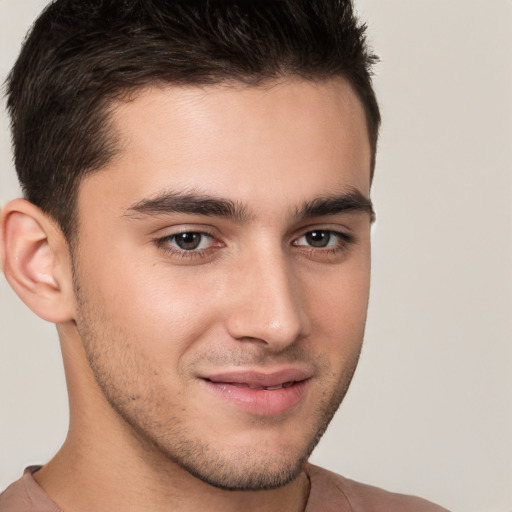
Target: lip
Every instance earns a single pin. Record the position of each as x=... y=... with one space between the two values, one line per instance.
x=260 y=393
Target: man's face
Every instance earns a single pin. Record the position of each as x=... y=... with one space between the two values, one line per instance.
x=222 y=273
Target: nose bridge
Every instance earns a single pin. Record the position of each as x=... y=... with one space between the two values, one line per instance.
x=267 y=303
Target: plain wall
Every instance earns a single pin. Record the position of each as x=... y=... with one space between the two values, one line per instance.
x=429 y=411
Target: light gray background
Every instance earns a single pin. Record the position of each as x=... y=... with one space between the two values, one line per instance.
x=429 y=412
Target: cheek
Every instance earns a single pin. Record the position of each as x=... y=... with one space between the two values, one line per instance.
x=155 y=305
x=337 y=305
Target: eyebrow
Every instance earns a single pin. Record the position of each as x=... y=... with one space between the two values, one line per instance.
x=352 y=201
x=191 y=203
x=211 y=206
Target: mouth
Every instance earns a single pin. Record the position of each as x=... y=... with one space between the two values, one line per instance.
x=261 y=394
x=268 y=388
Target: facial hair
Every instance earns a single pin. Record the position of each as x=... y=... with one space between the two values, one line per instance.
x=131 y=385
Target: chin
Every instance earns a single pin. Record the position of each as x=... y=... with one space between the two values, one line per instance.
x=242 y=474
x=246 y=466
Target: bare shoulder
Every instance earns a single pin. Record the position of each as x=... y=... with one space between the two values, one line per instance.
x=330 y=491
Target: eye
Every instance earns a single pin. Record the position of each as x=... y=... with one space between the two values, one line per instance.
x=322 y=238
x=189 y=241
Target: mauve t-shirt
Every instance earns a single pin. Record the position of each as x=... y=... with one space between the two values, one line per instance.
x=329 y=493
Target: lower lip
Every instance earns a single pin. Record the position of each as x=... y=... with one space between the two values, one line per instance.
x=261 y=402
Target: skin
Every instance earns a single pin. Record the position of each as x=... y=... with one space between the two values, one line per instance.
x=142 y=322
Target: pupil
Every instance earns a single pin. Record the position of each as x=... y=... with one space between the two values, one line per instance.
x=318 y=238
x=188 y=241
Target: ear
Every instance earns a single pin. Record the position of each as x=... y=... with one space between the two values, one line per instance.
x=36 y=261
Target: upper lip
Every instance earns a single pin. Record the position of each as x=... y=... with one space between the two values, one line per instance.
x=258 y=378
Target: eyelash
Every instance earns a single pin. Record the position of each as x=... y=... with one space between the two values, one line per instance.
x=345 y=240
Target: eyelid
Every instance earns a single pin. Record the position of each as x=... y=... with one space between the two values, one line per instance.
x=164 y=243
x=169 y=229
x=329 y=253
x=343 y=240
x=336 y=235
x=342 y=233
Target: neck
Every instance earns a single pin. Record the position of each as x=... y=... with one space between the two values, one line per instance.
x=94 y=476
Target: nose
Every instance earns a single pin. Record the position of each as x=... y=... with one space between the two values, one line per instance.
x=267 y=302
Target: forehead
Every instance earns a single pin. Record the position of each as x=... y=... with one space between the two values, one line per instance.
x=255 y=144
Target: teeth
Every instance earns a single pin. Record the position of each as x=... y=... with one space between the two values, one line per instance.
x=272 y=388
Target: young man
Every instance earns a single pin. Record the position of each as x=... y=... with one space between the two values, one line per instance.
x=196 y=222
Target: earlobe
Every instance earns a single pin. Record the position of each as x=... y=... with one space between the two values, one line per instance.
x=34 y=252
